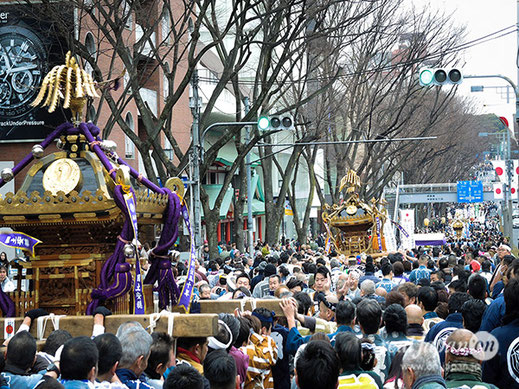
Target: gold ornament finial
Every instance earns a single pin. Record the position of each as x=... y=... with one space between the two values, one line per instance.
x=68 y=82
x=352 y=180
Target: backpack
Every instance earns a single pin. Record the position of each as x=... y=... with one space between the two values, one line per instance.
x=362 y=381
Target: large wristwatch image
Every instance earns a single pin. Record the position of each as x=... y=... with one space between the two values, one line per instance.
x=22 y=64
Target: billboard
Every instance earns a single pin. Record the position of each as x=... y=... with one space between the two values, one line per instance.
x=30 y=46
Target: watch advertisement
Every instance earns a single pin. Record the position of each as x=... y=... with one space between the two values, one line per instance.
x=30 y=46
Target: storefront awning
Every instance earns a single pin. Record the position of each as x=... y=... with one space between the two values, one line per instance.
x=228 y=154
x=258 y=206
x=212 y=192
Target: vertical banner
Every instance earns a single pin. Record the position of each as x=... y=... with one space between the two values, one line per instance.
x=130 y=205
x=379 y=238
x=187 y=290
x=498 y=191
x=407 y=221
x=500 y=170
x=138 y=300
x=389 y=235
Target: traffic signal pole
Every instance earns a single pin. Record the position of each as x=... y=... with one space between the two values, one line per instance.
x=507 y=212
x=250 y=218
x=195 y=109
x=199 y=151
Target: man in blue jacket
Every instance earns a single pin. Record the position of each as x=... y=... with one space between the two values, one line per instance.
x=136 y=345
x=422 y=271
x=344 y=315
x=439 y=333
x=503 y=369
x=496 y=310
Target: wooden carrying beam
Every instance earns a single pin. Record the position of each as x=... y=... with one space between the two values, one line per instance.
x=228 y=306
x=193 y=325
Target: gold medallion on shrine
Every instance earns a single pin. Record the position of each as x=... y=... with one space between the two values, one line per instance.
x=351 y=210
x=63 y=174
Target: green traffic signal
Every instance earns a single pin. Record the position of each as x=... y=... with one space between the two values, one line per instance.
x=263 y=123
x=426 y=77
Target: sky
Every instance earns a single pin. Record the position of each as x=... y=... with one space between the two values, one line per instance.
x=498 y=56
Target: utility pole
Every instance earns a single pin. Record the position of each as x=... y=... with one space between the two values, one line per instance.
x=250 y=219
x=508 y=208
x=195 y=185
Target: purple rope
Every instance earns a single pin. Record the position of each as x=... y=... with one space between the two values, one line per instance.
x=29 y=157
x=167 y=238
x=170 y=231
x=86 y=130
x=160 y=269
x=122 y=285
x=135 y=174
x=107 y=270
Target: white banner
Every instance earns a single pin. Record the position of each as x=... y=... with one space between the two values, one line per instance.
x=407 y=222
x=500 y=170
x=389 y=236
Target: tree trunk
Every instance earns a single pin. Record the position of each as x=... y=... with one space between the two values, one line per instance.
x=211 y=219
x=238 y=209
x=272 y=216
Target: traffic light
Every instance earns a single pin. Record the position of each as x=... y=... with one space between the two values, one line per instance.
x=276 y=122
x=263 y=123
x=440 y=76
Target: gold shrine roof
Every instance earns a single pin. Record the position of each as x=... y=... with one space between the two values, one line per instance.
x=92 y=202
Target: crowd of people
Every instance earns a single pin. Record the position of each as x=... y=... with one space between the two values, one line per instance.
x=443 y=317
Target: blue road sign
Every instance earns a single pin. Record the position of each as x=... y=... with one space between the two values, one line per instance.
x=470 y=191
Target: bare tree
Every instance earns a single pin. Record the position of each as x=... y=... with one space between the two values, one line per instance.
x=150 y=39
x=383 y=98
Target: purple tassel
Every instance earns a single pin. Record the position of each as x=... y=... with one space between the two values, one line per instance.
x=168 y=289
x=122 y=285
x=160 y=269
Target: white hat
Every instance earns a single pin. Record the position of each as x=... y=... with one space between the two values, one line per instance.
x=505 y=247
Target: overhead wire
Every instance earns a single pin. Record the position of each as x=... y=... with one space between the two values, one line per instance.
x=461 y=47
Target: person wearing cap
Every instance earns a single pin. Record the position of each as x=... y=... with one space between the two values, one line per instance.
x=502 y=251
x=463 y=361
x=262 y=288
x=259 y=276
x=474 y=266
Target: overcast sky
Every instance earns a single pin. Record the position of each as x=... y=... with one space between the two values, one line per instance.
x=498 y=56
